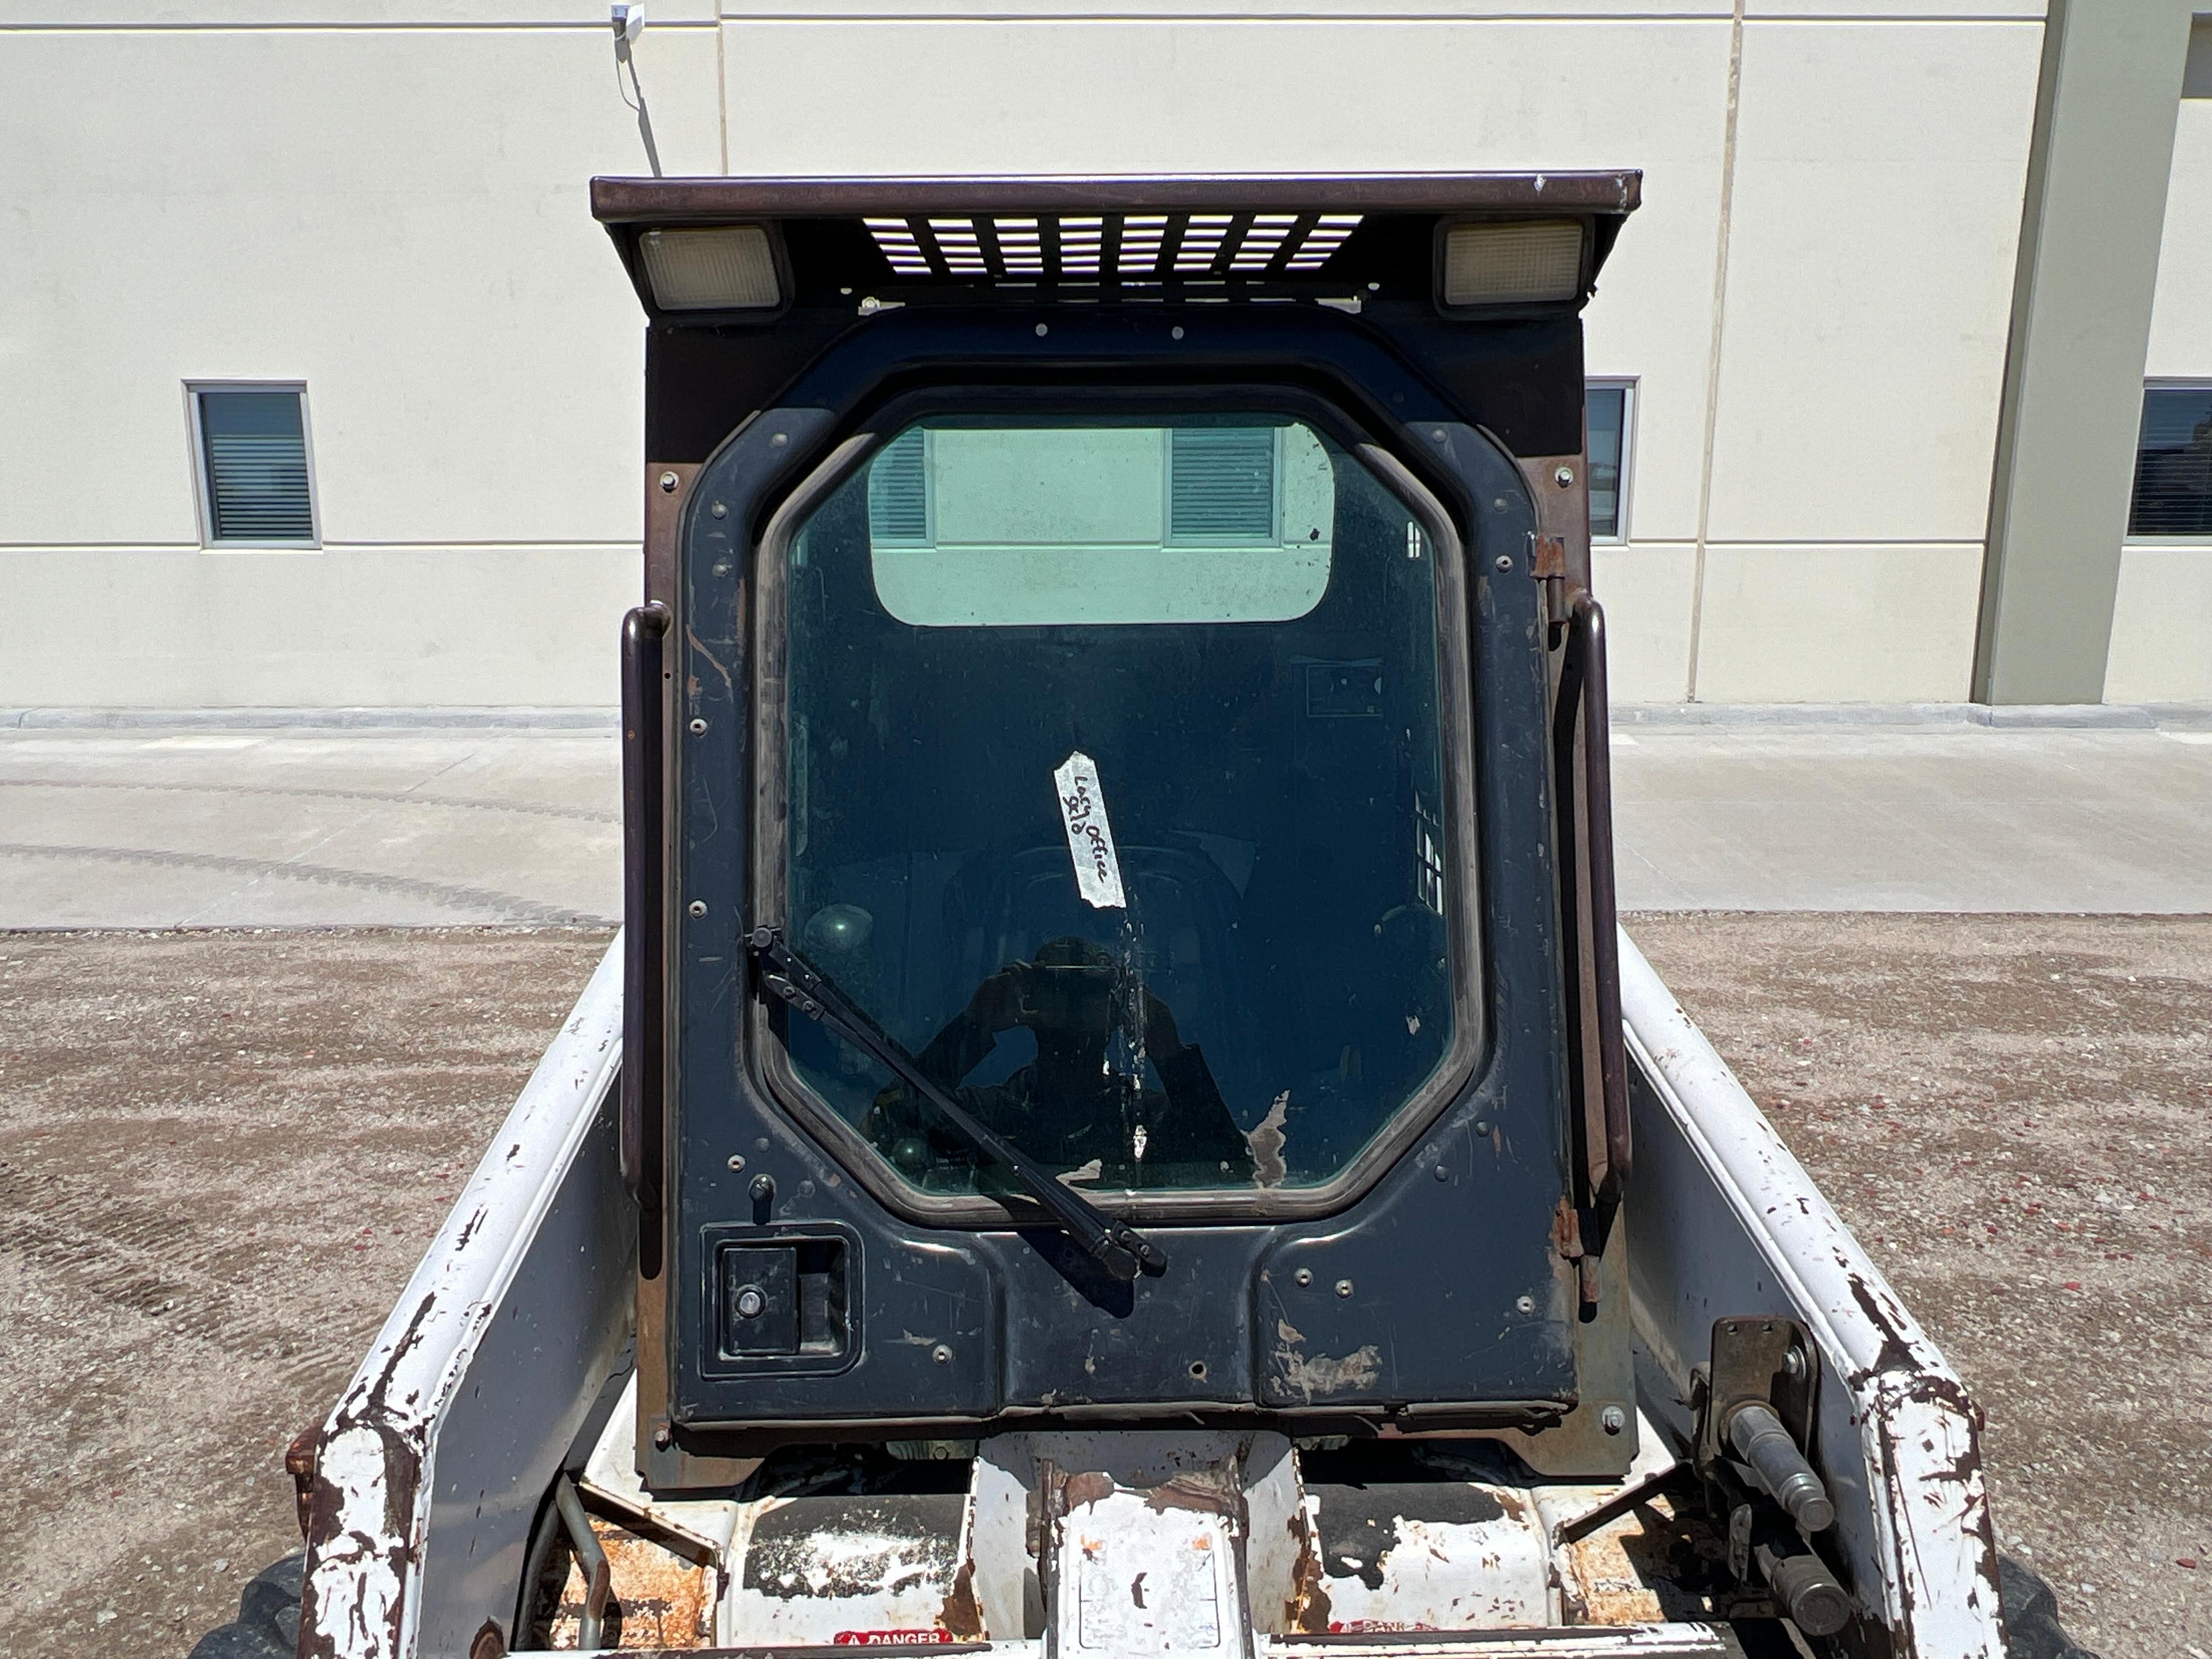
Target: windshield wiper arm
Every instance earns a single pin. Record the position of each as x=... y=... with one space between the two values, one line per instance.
x=1118 y=1248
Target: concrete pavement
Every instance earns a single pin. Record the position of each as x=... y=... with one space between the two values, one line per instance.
x=200 y=825
x=359 y=828
x=1965 y=818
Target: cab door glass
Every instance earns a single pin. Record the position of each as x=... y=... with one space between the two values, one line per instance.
x=1116 y=793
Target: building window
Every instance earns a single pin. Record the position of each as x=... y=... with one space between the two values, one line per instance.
x=1221 y=484
x=898 y=490
x=2173 y=463
x=1608 y=409
x=249 y=443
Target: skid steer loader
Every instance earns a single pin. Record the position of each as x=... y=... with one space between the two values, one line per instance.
x=1120 y=1120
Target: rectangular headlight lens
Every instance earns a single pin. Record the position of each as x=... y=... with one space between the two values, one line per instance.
x=723 y=268
x=1513 y=265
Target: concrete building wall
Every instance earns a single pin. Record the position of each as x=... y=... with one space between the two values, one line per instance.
x=392 y=209
x=385 y=199
x=2161 y=644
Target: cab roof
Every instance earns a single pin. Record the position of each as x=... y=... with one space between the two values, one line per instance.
x=1193 y=238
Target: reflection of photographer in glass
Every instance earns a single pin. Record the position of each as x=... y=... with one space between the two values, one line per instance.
x=1069 y=1108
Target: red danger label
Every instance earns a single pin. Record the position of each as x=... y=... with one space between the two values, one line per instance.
x=888 y=1638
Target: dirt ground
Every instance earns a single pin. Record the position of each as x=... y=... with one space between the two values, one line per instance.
x=2014 y=1116
x=221 y=1153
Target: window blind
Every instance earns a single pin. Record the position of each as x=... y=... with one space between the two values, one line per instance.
x=898 y=490
x=1606 y=420
x=255 y=452
x=2173 y=463
x=1221 y=484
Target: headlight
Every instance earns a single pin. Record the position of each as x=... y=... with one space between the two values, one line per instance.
x=722 y=267
x=1522 y=264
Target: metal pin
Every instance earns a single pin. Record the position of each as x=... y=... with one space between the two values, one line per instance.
x=668 y=483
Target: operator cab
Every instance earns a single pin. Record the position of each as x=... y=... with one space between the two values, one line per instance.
x=1120 y=979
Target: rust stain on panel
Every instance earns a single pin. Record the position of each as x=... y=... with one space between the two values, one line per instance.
x=660 y=1601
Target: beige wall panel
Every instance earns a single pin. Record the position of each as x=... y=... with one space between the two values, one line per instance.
x=1879 y=174
x=425 y=627
x=1839 y=624
x=2181 y=316
x=170 y=16
x=1288 y=97
x=2162 y=626
x=1647 y=592
x=1890 y=10
x=398 y=217
x=1273 y=11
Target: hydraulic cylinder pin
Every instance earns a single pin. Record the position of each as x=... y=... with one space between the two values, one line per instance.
x=1761 y=1440
x=1804 y=1587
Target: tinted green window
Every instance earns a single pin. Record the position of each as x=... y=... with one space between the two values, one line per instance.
x=1141 y=846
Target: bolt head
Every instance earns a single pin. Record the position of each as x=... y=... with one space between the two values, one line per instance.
x=941 y=1354
x=1612 y=1420
x=1176 y=332
x=1525 y=1304
x=1043 y=330
x=698 y=907
x=720 y=509
x=736 y=1161
x=1303 y=1277
x=1343 y=1287
x=1564 y=477
x=1482 y=1127
x=698 y=728
x=1503 y=561
x=751 y=1304
x=661 y=1436
x=668 y=483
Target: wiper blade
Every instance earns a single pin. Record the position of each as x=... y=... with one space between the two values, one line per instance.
x=1118 y=1248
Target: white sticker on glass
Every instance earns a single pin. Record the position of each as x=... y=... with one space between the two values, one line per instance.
x=1090 y=837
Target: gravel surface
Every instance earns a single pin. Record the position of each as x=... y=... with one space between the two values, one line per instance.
x=221 y=1155
x=2014 y=1116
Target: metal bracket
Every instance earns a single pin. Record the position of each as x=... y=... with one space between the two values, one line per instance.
x=1768 y=1362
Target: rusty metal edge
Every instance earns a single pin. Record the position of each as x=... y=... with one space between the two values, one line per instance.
x=1919 y=1430
x=668 y=201
x=369 y=1503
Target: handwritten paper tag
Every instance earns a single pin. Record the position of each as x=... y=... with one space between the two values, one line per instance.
x=1090 y=837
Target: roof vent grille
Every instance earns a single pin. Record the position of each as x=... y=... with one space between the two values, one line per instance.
x=1140 y=248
